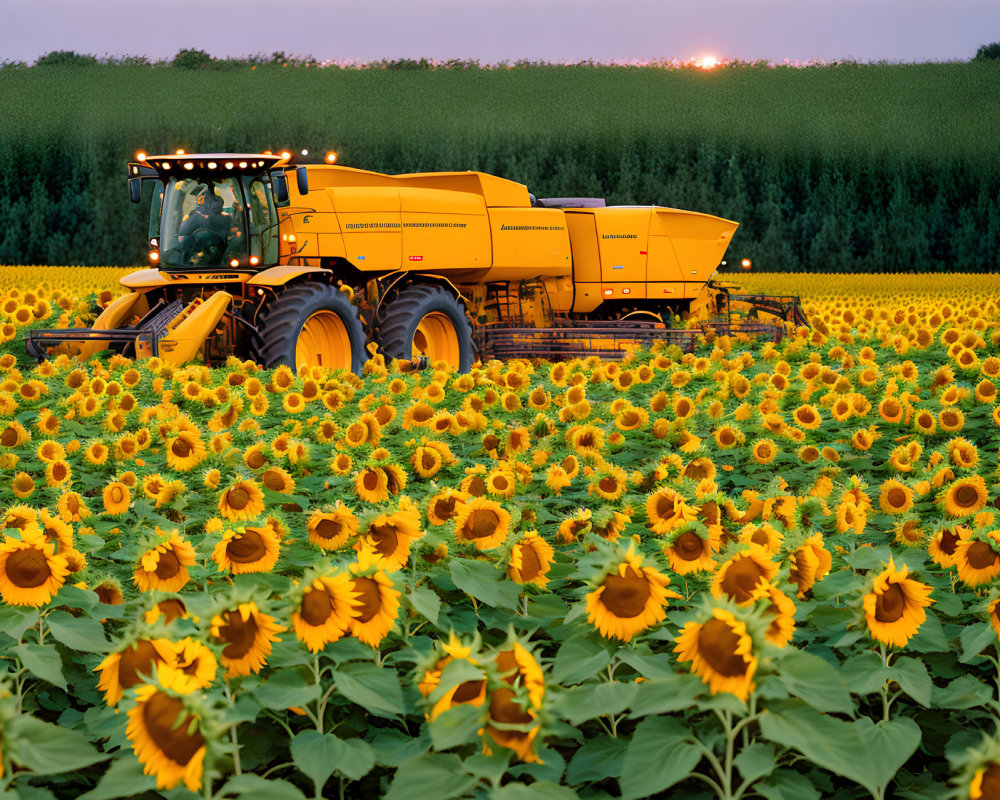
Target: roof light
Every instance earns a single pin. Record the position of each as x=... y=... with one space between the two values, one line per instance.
x=188 y=165
x=254 y=261
x=286 y=155
x=140 y=156
x=229 y=165
x=746 y=263
x=305 y=152
x=154 y=256
x=212 y=165
x=331 y=157
x=234 y=263
x=243 y=165
x=180 y=153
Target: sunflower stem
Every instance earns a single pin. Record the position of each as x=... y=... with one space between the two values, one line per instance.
x=237 y=766
x=886 y=703
x=320 y=703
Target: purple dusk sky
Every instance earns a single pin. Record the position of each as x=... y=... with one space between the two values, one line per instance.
x=492 y=30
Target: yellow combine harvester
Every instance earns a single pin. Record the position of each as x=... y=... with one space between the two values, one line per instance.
x=255 y=256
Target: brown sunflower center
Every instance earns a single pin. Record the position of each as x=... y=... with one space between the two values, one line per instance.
x=248 y=548
x=717 y=644
x=117 y=494
x=481 y=523
x=467 y=692
x=255 y=459
x=664 y=506
x=742 y=577
x=696 y=470
x=688 y=546
x=503 y=708
x=586 y=441
x=477 y=486
x=629 y=419
x=890 y=604
x=159 y=715
x=9 y=437
x=428 y=460
x=609 y=485
x=328 y=528
x=625 y=596
x=369 y=600
x=135 y=660
x=990 y=785
x=168 y=565
x=490 y=442
x=172 y=608
x=238 y=498
x=370 y=481
x=966 y=496
x=896 y=497
x=273 y=480
x=180 y=448
x=500 y=483
x=531 y=564
x=316 y=607
x=949 y=541
x=109 y=594
x=239 y=634
x=444 y=508
x=981 y=556
x=28 y=568
x=385 y=537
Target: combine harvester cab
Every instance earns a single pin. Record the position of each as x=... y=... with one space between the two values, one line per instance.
x=313 y=265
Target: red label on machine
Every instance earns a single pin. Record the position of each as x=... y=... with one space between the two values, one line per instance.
x=416 y=258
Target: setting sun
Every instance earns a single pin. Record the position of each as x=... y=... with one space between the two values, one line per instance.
x=707 y=62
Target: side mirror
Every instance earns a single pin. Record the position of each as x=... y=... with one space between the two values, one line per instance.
x=135 y=189
x=302 y=177
x=280 y=184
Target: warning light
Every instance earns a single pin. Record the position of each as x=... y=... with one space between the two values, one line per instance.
x=608 y=292
x=254 y=261
x=154 y=256
x=286 y=155
x=180 y=153
x=234 y=263
x=331 y=157
x=140 y=156
x=746 y=263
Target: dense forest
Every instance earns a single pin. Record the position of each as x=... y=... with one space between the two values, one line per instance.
x=841 y=167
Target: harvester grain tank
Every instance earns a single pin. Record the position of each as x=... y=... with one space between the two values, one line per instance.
x=254 y=256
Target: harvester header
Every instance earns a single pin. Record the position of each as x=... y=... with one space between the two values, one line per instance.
x=254 y=256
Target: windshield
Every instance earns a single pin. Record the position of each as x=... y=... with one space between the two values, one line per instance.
x=202 y=223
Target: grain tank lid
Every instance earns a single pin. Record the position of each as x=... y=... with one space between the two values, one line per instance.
x=570 y=202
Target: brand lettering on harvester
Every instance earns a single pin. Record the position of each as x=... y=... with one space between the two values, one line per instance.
x=531 y=228
x=376 y=226
x=619 y=236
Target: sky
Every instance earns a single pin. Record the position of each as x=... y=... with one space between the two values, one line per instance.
x=495 y=30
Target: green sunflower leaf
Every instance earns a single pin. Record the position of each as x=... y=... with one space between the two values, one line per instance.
x=580 y=657
x=965 y=691
x=539 y=790
x=930 y=638
x=77 y=633
x=375 y=689
x=254 y=787
x=285 y=688
x=813 y=680
x=123 y=778
x=755 y=761
x=425 y=601
x=42 y=662
x=976 y=638
x=358 y=761
x=667 y=695
x=48 y=749
x=598 y=758
x=316 y=755
x=661 y=753
x=912 y=676
x=437 y=776
x=863 y=673
x=786 y=784
x=458 y=725
x=593 y=700
x=485 y=582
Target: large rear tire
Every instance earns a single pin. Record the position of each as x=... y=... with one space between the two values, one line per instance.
x=427 y=320
x=311 y=324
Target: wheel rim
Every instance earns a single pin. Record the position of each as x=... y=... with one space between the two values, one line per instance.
x=437 y=339
x=324 y=342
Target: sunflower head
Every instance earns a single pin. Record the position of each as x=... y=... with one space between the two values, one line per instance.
x=164 y=562
x=894 y=607
x=723 y=647
x=690 y=547
x=30 y=571
x=530 y=560
x=245 y=634
x=628 y=597
x=324 y=602
x=745 y=576
x=376 y=599
x=243 y=549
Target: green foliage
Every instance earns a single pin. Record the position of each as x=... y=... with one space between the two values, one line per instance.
x=840 y=168
x=65 y=58
x=988 y=51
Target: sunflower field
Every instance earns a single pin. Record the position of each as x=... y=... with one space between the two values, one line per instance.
x=755 y=570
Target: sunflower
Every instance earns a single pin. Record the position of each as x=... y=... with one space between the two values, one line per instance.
x=242 y=500
x=247 y=634
x=613 y=528
x=72 y=508
x=277 y=480
x=780 y=609
x=324 y=610
x=667 y=510
x=513 y=707
x=170 y=609
x=444 y=505
x=166 y=738
x=392 y=535
x=244 y=550
x=372 y=485
x=976 y=559
x=54 y=529
x=689 y=549
x=127 y=667
x=30 y=571
x=426 y=461
x=164 y=566
x=376 y=601
x=330 y=530
x=809 y=563
x=185 y=451
x=483 y=522
x=628 y=599
x=191 y=669
x=965 y=497
x=764 y=451
x=808 y=417
x=895 y=497
x=894 y=608
x=117 y=498
x=745 y=576
x=530 y=560
x=942 y=546
x=721 y=653
x=609 y=485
